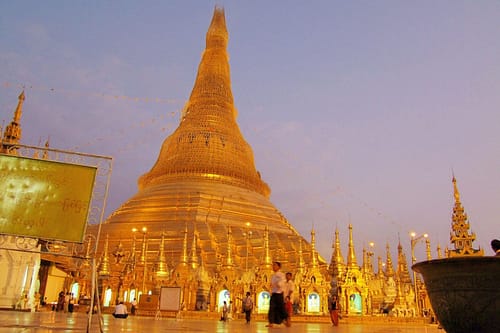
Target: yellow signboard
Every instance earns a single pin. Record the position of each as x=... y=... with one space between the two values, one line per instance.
x=44 y=199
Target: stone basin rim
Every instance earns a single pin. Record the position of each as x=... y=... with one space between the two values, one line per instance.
x=455 y=260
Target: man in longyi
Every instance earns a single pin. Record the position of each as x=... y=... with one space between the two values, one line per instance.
x=277 y=313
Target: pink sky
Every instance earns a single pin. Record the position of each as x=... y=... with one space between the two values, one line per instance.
x=357 y=112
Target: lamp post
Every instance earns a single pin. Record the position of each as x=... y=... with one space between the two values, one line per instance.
x=248 y=236
x=414 y=239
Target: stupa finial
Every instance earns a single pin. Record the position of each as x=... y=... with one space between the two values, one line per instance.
x=12 y=133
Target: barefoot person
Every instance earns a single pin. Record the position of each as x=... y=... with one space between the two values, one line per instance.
x=277 y=312
x=247 y=307
x=334 y=310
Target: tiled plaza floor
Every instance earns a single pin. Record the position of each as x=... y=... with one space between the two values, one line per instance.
x=52 y=322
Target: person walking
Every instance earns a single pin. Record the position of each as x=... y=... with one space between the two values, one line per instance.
x=66 y=302
x=277 y=312
x=248 y=307
x=289 y=292
x=334 y=310
x=223 y=317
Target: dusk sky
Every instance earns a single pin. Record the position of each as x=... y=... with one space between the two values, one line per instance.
x=357 y=111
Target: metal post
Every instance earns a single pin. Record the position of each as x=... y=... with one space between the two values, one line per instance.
x=92 y=295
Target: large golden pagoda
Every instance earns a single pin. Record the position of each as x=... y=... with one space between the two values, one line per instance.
x=207 y=220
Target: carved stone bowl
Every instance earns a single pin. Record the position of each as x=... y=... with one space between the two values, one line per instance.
x=464 y=292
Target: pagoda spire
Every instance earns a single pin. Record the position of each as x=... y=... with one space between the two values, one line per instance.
x=194 y=257
x=208 y=143
x=351 y=255
x=12 y=133
x=428 y=249
x=229 y=256
x=389 y=269
x=104 y=269
x=402 y=272
x=460 y=236
x=267 y=258
x=184 y=257
x=439 y=253
x=314 y=259
x=162 y=268
x=337 y=262
x=301 y=266
x=380 y=267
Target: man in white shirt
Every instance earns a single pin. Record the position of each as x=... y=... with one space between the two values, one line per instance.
x=290 y=287
x=120 y=311
x=277 y=313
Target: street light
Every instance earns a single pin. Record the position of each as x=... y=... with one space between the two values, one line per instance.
x=414 y=239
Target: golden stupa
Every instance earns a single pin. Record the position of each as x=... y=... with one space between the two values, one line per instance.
x=203 y=207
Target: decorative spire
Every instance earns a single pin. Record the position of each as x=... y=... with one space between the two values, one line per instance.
x=428 y=248
x=194 y=257
x=337 y=262
x=144 y=250
x=439 y=253
x=403 y=273
x=229 y=257
x=301 y=266
x=364 y=265
x=389 y=269
x=460 y=236
x=12 y=133
x=208 y=143
x=380 y=267
x=314 y=259
x=268 y=263
x=104 y=265
x=162 y=268
x=184 y=257
x=351 y=256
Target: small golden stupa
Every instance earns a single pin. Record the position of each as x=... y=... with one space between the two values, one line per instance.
x=203 y=207
x=460 y=236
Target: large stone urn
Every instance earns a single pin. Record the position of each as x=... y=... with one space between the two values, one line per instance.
x=464 y=292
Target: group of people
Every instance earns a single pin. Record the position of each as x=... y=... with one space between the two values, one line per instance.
x=247 y=307
x=65 y=302
x=226 y=311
